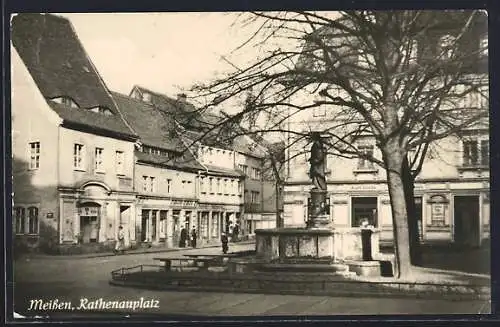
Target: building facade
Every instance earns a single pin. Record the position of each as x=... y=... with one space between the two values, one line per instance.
x=452 y=189
x=87 y=160
x=72 y=151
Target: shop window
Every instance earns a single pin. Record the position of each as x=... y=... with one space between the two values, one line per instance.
x=364 y=209
x=438 y=210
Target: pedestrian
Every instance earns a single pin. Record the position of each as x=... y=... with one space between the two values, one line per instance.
x=120 y=242
x=236 y=232
x=183 y=238
x=224 y=241
x=193 y=237
x=230 y=230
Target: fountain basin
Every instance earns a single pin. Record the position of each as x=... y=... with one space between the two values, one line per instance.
x=316 y=243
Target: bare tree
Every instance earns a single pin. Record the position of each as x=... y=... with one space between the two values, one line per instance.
x=399 y=77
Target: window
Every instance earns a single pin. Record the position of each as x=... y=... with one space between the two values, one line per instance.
x=169 y=186
x=99 y=167
x=240 y=188
x=243 y=168
x=485 y=152
x=366 y=150
x=146 y=97
x=233 y=187
x=219 y=191
x=34 y=155
x=255 y=197
x=476 y=152
x=483 y=45
x=152 y=184
x=120 y=162
x=33 y=220
x=255 y=173
x=320 y=109
x=78 y=156
x=211 y=185
x=20 y=220
x=470 y=153
x=446 y=43
x=148 y=184
x=202 y=185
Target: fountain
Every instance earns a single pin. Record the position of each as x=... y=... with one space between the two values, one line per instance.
x=319 y=243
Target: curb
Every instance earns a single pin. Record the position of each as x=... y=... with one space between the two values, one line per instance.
x=111 y=254
x=341 y=292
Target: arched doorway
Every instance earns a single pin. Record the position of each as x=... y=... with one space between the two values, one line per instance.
x=90 y=221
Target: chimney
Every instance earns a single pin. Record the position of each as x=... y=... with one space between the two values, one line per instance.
x=181 y=97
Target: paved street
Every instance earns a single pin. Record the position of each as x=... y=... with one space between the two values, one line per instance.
x=74 y=279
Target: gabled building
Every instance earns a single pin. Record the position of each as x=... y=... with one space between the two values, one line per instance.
x=219 y=184
x=73 y=153
x=166 y=176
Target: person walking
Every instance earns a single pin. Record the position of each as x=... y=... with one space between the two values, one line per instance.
x=120 y=242
x=193 y=237
x=236 y=232
x=224 y=241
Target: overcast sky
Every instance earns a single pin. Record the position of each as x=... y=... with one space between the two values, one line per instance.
x=158 y=50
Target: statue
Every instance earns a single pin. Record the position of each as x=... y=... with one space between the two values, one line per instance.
x=318 y=163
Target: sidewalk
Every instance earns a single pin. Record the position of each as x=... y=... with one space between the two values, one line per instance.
x=127 y=252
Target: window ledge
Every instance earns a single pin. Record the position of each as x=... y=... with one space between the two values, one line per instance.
x=365 y=171
x=120 y=174
x=79 y=169
x=474 y=167
x=100 y=172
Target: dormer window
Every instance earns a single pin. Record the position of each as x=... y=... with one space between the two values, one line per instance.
x=102 y=110
x=67 y=101
x=146 y=97
x=446 y=43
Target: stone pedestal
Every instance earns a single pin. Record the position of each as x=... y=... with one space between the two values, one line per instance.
x=318 y=218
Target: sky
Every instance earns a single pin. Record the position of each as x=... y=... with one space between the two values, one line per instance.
x=161 y=51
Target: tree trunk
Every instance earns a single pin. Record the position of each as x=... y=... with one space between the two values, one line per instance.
x=394 y=168
x=413 y=230
x=279 y=221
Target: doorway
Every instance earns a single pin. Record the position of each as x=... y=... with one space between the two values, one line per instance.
x=418 y=214
x=89 y=223
x=466 y=221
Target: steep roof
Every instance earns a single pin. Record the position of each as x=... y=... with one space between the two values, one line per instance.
x=60 y=66
x=186 y=162
x=101 y=124
x=153 y=128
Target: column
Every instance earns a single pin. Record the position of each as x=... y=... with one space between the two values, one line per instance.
x=169 y=229
x=150 y=226
x=158 y=222
x=182 y=219
x=209 y=225
x=103 y=221
x=131 y=222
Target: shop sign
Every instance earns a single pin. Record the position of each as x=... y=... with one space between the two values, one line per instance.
x=88 y=211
